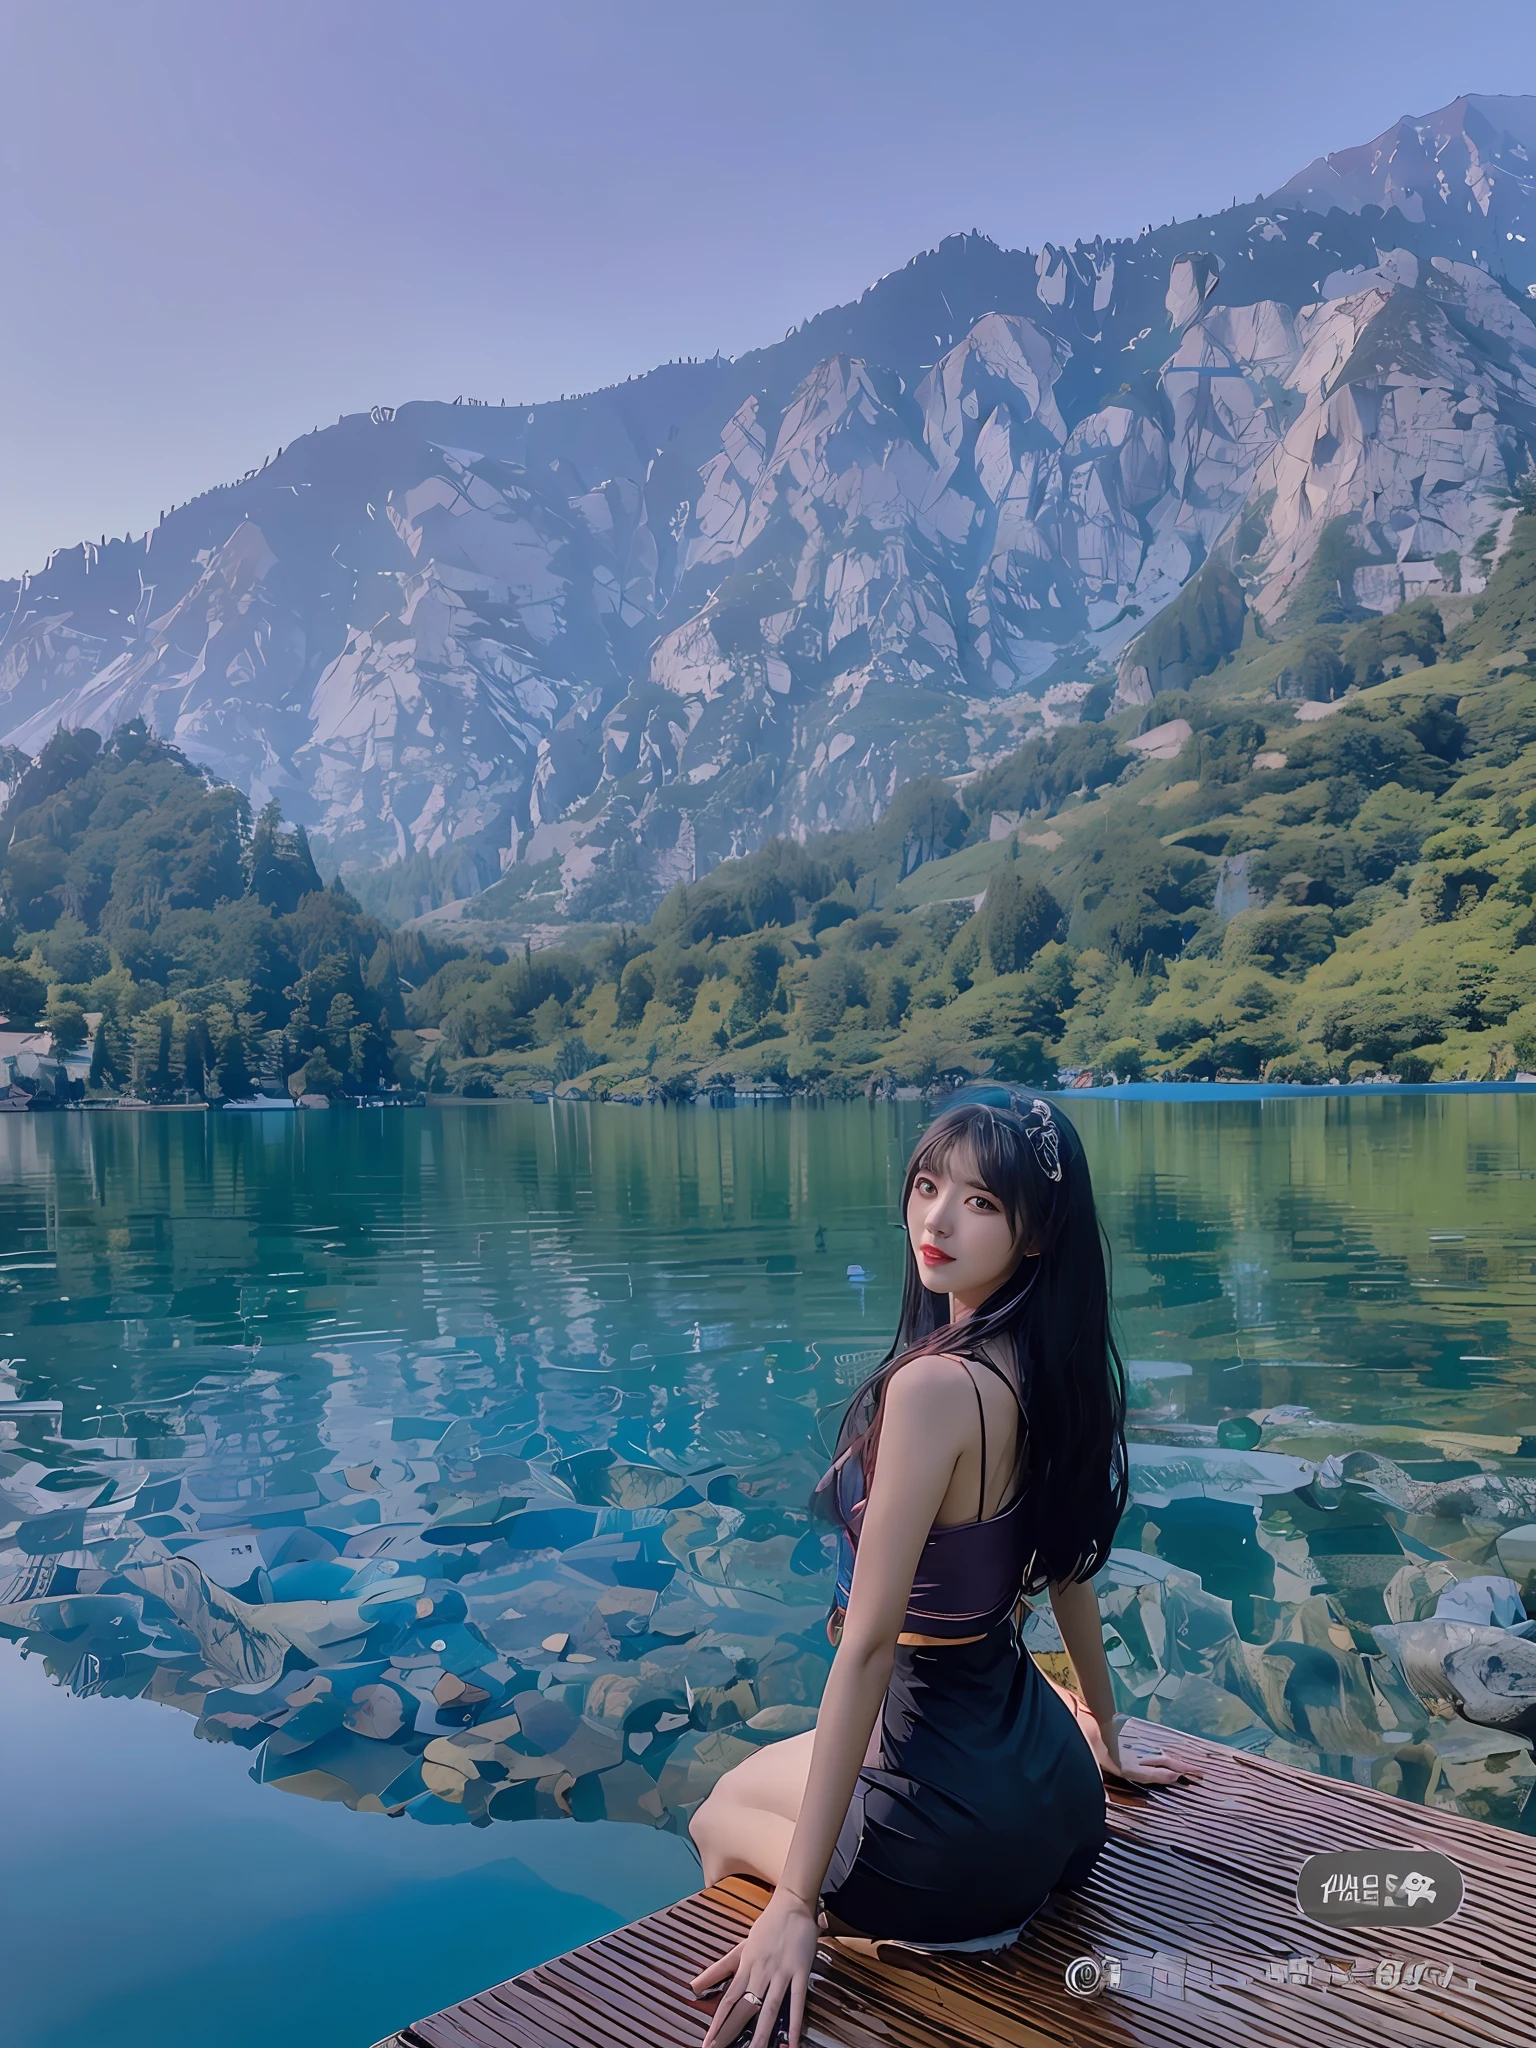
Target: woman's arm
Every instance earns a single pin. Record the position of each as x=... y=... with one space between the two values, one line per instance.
x=1076 y=1607
x=922 y=1434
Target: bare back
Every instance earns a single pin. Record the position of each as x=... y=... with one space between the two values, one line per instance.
x=970 y=1490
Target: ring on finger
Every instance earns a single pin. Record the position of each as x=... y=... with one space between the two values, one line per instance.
x=750 y=1998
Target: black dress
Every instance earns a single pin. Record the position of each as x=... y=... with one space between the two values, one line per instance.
x=986 y=1797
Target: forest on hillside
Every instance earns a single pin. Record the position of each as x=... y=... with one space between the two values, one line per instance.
x=1257 y=896
x=194 y=949
x=1346 y=894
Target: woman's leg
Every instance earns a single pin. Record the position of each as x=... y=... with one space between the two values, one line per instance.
x=748 y=1821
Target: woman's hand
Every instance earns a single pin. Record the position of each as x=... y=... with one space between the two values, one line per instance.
x=1153 y=1768
x=1149 y=1768
x=773 y=1962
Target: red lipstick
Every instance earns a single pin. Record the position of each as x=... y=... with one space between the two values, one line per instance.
x=932 y=1256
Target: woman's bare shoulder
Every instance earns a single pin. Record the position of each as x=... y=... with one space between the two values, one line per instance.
x=931 y=1376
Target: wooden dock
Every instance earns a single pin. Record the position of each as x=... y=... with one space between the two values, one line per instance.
x=1194 y=1896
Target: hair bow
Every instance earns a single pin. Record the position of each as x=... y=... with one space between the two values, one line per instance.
x=1044 y=1135
x=1033 y=1112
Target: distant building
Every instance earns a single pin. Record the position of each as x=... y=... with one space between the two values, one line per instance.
x=28 y=1061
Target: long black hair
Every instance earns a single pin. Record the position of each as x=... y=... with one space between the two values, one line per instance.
x=1052 y=1314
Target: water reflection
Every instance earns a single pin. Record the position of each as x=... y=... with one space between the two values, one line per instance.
x=456 y=1464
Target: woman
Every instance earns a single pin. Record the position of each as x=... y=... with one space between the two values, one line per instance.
x=948 y=1788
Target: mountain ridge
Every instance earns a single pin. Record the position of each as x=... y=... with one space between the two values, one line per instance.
x=469 y=644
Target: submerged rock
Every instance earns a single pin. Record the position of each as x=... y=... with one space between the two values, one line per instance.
x=1197 y=1706
x=1485 y=1773
x=1517 y=1553
x=1160 y=1473
x=1420 y=1650
x=1415 y=1589
x=482 y=1646
x=1495 y=1683
x=1160 y=1623
x=1491 y=1602
x=1315 y=1684
x=240 y=1643
x=1176 y=1656
x=1489 y=1496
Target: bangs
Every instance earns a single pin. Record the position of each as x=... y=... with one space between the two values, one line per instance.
x=998 y=1151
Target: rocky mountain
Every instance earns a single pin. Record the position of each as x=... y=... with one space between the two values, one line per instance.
x=579 y=650
x=1472 y=167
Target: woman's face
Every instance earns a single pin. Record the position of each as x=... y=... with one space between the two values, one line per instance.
x=961 y=1237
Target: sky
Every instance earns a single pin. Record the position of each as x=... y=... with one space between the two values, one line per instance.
x=227 y=224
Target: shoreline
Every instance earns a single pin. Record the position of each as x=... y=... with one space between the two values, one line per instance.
x=1124 y=1091
x=1250 y=1091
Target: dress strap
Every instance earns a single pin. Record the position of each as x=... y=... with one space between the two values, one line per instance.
x=980 y=1358
x=982 y=1416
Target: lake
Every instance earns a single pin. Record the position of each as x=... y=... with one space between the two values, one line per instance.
x=404 y=1512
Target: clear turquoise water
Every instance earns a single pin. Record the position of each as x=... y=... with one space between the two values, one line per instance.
x=455 y=1409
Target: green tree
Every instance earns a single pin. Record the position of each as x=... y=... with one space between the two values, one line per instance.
x=1017 y=919
x=548 y=1020
x=832 y=985
x=343 y=1039
x=758 y=979
x=1126 y=1058
x=1035 y=1002
x=1325 y=594
x=830 y=912
x=22 y=995
x=1023 y=1059
x=197 y=1054
x=1282 y=940
x=66 y=1022
x=1437 y=726
x=1315 y=670
x=1195 y=633
x=922 y=822
x=113 y=837
x=1138 y=899
x=1376 y=1024
x=1044 y=772
x=896 y=1000
x=280 y=870
x=637 y=985
x=317 y=1076
x=1504 y=617
x=156 y=1074
x=573 y=1058
x=963 y=955
x=232 y=1066
x=677 y=981
x=1381 y=646
x=71 y=952
x=111 y=1057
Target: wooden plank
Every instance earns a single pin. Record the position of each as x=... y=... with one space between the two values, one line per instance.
x=1194 y=1894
